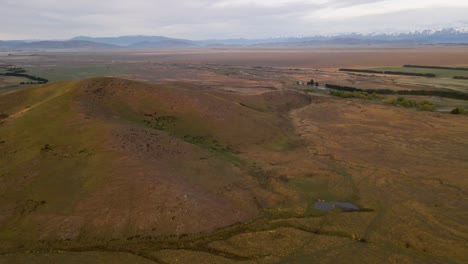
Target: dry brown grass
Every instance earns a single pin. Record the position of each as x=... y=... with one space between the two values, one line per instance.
x=186 y=171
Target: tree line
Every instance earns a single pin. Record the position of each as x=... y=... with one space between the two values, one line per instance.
x=30 y=77
x=447 y=94
x=430 y=75
x=436 y=67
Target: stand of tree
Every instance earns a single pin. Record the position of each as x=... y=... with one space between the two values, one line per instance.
x=430 y=75
x=16 y=70
x=312 y=83
x=447 y=94
x=460 y=77
x=30 y=77
x=436 y=67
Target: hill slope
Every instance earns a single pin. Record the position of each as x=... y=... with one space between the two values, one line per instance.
x=113 y=158
x=111 y=170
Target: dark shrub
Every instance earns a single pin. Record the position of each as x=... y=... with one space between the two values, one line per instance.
x=458 y=110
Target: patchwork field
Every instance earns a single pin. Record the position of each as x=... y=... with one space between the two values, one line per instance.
x=178 y=159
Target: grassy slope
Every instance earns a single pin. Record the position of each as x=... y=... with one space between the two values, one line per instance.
x=407 y=164
x=165 y=172
x=85 y=165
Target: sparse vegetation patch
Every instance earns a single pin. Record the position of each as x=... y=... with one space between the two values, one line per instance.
x=159 y=122
x=46 y=148
x=30 y=206
x=206 y=142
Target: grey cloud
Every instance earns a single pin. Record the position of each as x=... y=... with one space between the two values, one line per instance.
x=198 y=19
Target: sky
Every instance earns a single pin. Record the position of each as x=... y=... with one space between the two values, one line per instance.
x=221 y=19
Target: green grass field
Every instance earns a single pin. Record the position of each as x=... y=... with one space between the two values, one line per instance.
x=76 y=72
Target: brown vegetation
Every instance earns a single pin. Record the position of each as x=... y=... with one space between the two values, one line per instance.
x=225 y=164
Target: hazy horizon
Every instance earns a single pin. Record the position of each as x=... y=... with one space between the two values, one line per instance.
x=224 y=19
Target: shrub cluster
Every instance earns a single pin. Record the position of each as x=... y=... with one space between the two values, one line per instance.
x=402 y=101
x=312 y=83
x=458 y=110
x=343 y=88
x=355 y=94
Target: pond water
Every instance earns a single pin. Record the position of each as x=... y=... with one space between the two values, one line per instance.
x=328 y=206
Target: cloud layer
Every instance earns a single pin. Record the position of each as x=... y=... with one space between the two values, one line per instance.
x=204 y=19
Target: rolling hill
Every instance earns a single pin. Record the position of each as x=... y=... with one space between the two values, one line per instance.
x=163 y=44
x=69 y=44
x=129 y=41
x=107 y=158
x=107 y=169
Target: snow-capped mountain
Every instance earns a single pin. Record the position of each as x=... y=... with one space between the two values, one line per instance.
x=430 y=36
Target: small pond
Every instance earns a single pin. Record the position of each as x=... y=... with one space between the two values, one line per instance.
x=328 y=206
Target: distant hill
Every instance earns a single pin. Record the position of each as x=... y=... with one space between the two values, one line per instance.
x=442 y=36
x=338 y=41
x=426 y=37
x=9 y=44
x=448 y=35
x=69 y=44
x=163 y=44
x=135 y=41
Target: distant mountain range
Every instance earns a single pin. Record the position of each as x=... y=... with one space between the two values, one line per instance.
x=442 y=36
x=70 y=44
x=140 y=41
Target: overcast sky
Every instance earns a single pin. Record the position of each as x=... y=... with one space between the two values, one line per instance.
x=204 y=19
